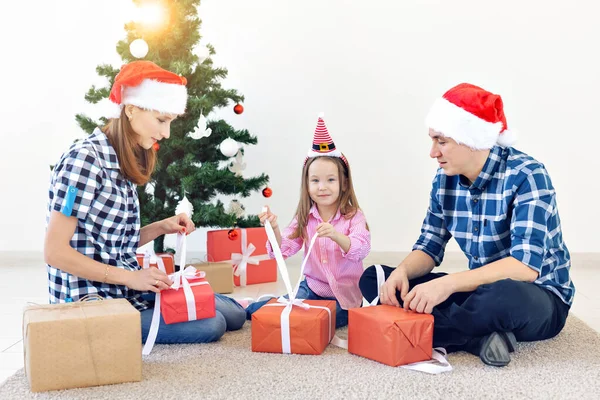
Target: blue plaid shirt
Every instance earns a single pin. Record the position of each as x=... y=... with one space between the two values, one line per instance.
x=108 y=218
x=510 y=210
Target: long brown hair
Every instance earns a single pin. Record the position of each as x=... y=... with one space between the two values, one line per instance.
x=137 y=163
x=347 y=202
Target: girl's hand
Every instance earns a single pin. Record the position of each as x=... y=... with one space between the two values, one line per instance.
x=268 y=216
x=180 y=223
x=325 y=229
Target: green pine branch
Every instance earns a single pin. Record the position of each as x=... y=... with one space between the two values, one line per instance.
x=186 y=166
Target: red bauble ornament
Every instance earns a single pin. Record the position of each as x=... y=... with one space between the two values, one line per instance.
x=267 y=192
x=232 y=234
x=238 y=109
x=156 y=146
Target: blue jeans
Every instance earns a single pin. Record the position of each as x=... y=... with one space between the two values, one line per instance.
x=304 y=292
x=230 y=317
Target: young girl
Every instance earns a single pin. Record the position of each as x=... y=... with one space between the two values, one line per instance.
x=328 y=208
x=93 y=221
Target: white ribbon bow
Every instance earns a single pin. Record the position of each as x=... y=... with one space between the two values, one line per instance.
x=241 y=260
x=296 y=302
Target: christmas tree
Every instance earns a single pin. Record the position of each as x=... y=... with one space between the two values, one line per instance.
x=191 y=163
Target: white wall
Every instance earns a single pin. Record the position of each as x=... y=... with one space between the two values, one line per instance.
x=374 y=67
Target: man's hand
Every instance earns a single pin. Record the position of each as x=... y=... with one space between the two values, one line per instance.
x=398 y=280
x=422 y=298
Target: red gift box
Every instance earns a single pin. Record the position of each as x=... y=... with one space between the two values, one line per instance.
x=304 y=328
x=247 y=251
x=390 y=335
x=190 y=298
x=182 y=303
x=146 y=261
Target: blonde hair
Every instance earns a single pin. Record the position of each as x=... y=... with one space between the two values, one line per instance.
x=137 y=164
x=347 y=202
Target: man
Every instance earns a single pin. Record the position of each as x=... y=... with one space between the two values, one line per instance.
x=500 y=206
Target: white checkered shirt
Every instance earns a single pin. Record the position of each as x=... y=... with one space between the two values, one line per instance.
x=108 y=220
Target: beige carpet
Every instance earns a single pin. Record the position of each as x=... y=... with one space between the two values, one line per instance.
x=566 y=367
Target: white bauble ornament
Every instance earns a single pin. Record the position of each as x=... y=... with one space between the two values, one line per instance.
x=229 y=147
x=138 y=48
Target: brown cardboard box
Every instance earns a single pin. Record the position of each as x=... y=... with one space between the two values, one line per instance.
x=82 y=344
x=218 y=274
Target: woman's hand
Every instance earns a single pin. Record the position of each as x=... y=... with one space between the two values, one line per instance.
x=148 y=280
x=180 y=223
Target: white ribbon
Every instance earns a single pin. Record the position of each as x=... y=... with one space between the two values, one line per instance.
x=180 y=280
x=438 y=363
x=151 y=339
x=291 y=301
x=242 y=260
x=150 y=258
x=380 y=282
x=181 y=249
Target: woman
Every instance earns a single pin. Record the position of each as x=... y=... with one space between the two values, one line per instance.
x=93 y=222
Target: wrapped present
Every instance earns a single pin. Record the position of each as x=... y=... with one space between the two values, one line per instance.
x=82 y=344
x=163 y=261
x=189 y=298
x=247 y=252
x=218 y=274
x=393 y=336
x=293 y=327
x=390 y=335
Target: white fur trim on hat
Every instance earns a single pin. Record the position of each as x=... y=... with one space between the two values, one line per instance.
x=507 y=138
x=466 y=128
x=111 y=110
x=334 y=153
x=169 y=98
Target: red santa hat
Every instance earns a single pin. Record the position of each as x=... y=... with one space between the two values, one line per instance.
x=148 y=86
x=323 y=144
x=472 y=116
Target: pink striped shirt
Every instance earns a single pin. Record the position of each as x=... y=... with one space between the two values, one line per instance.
x=329 y=271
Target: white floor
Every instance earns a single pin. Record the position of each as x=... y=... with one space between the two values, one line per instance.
x=24 y=280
